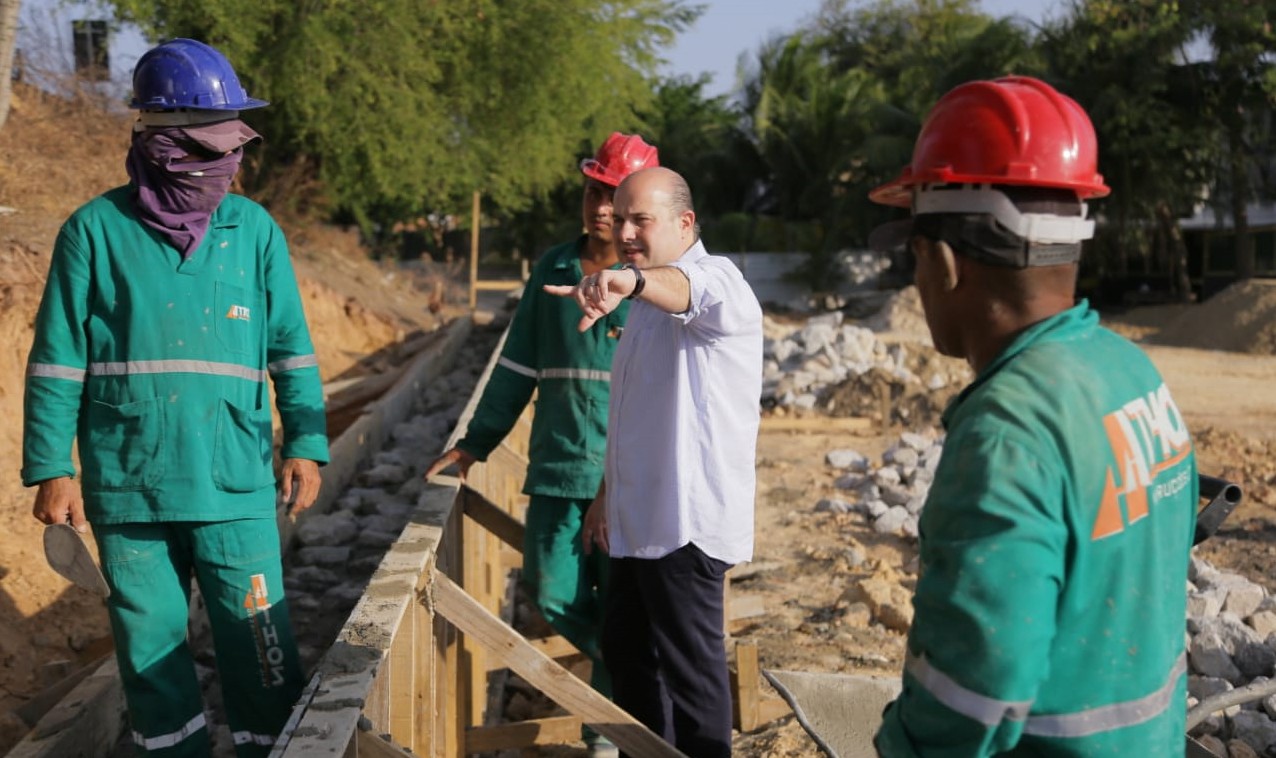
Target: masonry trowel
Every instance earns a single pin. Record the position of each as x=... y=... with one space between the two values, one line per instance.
x=67 y=554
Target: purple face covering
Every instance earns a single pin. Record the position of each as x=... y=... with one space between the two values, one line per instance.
x=177 y=197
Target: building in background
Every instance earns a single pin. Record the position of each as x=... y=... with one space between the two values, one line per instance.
x=75 y=47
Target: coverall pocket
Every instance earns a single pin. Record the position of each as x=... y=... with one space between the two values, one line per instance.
x=235 y=318
x=122 y=445
x=242 y=450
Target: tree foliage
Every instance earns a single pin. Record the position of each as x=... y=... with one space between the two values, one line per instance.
x=1124 y=62
x=384 y=108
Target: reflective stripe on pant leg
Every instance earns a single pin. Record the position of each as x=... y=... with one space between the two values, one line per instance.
x=241 y=577
x=148 y=569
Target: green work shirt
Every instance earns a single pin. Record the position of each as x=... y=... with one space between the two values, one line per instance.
x=569 y=370
x=159 y=366
x=1054 y=545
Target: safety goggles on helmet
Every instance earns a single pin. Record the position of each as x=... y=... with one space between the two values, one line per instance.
x=985 y=224
x=1033 y=228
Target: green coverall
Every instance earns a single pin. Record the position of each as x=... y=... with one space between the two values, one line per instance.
x=570 y=372
x=158 y=365
x=1054 y=550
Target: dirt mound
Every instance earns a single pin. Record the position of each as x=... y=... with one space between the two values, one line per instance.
x=1241 y=319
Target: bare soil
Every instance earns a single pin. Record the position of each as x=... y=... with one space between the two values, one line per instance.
x=809 y=566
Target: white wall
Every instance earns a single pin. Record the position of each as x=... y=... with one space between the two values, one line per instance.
x=48 y=54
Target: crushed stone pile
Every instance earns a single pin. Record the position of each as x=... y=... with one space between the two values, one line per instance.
x=889 y=495
x=1230 y=623
x=883 y=367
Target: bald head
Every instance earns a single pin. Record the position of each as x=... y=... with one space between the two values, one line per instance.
x=654 y=217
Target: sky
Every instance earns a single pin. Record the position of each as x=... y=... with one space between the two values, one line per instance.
x=731 y=27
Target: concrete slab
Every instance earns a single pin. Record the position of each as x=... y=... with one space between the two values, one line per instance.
x=841 y=712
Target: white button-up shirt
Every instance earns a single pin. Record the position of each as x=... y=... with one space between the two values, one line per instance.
x=683 y=419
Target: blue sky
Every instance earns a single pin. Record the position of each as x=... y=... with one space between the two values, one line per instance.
x=731 y=27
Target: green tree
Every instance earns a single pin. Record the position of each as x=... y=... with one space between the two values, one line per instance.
x=834 y=109
x=702 y=138
x=1123 y=61
x=387 y=108
x=1239 y=94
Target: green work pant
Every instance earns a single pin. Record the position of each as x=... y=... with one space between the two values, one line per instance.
x=237 y=565
x=564 y=583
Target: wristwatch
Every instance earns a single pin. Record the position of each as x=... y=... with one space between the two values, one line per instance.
x=639 y=281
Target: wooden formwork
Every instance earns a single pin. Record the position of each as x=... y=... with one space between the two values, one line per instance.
x=410 y=670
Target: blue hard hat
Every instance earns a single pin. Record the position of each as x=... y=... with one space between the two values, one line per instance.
x=185 y=73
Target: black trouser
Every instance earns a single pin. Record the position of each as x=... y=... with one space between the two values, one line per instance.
x=664 y=645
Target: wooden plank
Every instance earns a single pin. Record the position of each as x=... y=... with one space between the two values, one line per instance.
x=555 y=647
x=372 y=746
x=748 y=686
x=556 y=682
x=86 y=722
x=772 y=708
x=511 y=560
x=423 y=698
x=745 y=606
x=493 y=518
x=557 y=730
x=401 y=689
x=817 y=424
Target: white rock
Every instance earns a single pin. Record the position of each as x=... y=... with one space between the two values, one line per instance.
x=891 y=521
x=845 y=458
x=886 y=476
x=1244 y=599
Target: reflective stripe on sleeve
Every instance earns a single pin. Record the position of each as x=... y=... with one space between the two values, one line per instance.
x=177 y=367
x=1109 y=717
x=576 y=373
x=987 y=711
x=591 y=374
x=161 y=741
x=296 y=362
x=517 y=368
x=54 y=371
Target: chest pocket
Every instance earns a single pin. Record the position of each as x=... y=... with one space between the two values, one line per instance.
x=236 y=316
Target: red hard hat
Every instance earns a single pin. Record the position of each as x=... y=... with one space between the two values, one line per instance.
x=619 y=156
x=1015 y=130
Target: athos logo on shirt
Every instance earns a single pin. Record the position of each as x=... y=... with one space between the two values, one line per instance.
x=269 y=654
x=238 y=312
x=1148 y=437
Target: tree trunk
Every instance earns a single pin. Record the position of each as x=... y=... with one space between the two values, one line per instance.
x=8 y=43
x=1240 y=198
x=1176 y=252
